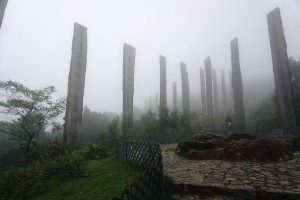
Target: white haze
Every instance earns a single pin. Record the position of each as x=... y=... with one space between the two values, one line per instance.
x=36 y=38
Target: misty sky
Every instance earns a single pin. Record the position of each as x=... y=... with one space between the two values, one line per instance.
x=36 y=38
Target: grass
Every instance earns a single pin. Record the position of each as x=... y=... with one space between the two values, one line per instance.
x=104 y=179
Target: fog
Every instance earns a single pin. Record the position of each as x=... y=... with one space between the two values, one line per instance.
x=36 y=38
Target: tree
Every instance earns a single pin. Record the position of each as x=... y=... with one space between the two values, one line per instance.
x=150 y=124
x=113 y=130
x=295 y=76
x=27 y=112
x=174 y=120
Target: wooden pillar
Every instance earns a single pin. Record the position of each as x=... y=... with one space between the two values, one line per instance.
x=73 y=116
x=237 y=86
x=224 y=96
x=174 y=97
x=216 y=96
x=3 y=4
x=163 y=82
x=208 y=72
x=128 y=88
x=281 y=70
x=203 y=92
x=185 y=88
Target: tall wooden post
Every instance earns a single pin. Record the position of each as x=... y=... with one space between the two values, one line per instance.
x=128 y=88
x=216 y=96
x=237 y=86
x=185 y=88
x=281 y=70
x=3 y=4
x=163 y=82
x=203 y=92
x=224 y=96
x=73 y=116
x=208 y=72
x=174 y=97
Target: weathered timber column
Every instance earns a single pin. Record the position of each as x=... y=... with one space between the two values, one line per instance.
x=3 y=4
x=237 y=86
x=203 y=92
x=174 y=97
x=156 y=103
x=216 y=96
x=224 y=96
x=230 y=90
x=208 y=72
x=128 y=88
x=163 y=82
x=150 y=104
x=73 y=116
x=281 y=70
x=146 y=105
x=185 y=88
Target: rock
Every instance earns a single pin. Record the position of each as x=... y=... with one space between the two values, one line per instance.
x=266 y=149
x=242 y=192
x=188 y=145
x=239 y=136
x=204 y=137
x=218 y=143
x=207 y=154
x=284 y=183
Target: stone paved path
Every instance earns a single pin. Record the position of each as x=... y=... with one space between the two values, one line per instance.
x=236 y=180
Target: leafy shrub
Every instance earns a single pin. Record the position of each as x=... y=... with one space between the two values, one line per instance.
x=97 y=151
x=70 y=165
x=48 y=150
x=20 y=183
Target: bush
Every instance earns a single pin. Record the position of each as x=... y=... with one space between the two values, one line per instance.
x=96 y=151
x=20 y=183
x=70 y=165
x=48 y=150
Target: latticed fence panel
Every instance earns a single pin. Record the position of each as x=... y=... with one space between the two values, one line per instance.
x=145 y=155
x=277 y=132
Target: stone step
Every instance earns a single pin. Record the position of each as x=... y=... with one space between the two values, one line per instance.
x=193 y=191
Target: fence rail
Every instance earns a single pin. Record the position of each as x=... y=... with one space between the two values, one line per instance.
x=277 y=132
x=145 y=155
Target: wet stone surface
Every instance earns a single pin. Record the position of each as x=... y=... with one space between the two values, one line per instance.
x=238 y=179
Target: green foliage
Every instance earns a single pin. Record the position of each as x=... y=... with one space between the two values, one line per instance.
x=48 y=150
x=97 y=151
x=28 y=112
x=95 y=125
x=113 y=130
x=169 y=189
x=174 y=121
x=168 y=126
x=69 y=165
x=195 y=119
x=295 y=76
x=185 y=121
x=150 y=124
x=265 y=116
x=103 y=180
x=164 y=119
x=219 y=120
x=20 y=183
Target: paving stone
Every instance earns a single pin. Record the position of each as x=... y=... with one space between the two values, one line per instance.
x=284 y=183
x=271 y=181
x=282 y=169
x=244 y=192
x=276 y=180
